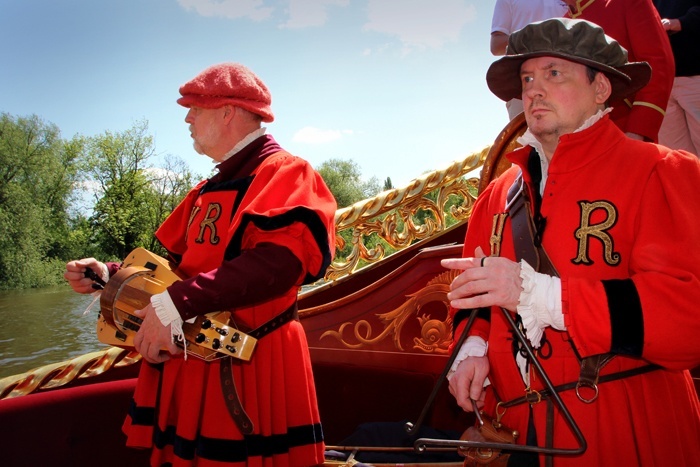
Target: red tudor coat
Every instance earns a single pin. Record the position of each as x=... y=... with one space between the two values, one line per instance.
x=274 y=198
x=636 y=25
x=621 y=230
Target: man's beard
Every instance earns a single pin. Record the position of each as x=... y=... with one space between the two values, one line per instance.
x=541 y=131
x=197 y=147
x=200 y=140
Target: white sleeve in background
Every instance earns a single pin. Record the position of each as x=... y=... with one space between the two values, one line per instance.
x=511 y=15
x=502 y=19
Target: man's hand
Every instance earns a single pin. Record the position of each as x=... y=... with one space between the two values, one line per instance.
x=153 y=340
x=496 y=283
x=75 y=274
x=672 y=25
x=467 y=382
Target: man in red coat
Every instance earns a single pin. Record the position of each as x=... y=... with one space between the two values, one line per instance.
x=617 y=219
x=636 y=25
x=245 y=240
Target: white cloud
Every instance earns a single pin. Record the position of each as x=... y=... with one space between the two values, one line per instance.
x=420 y=23
x=311 y=135
x=306 y=13
x=233 y=9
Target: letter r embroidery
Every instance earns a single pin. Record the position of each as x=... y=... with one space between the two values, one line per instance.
x=209 y=221
x=600 y=231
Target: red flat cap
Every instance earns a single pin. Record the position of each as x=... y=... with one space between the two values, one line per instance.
x=228 y=84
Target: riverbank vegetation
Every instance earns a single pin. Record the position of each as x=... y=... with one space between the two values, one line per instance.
x=98 y=196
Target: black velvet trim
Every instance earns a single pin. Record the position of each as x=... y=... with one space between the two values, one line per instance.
x=144 y=416
x=626 y=318
x=298 y=214
x=462 y=315
x=239 y=185
x=223 y=450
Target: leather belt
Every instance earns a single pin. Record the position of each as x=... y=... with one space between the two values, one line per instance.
x=228 y=385
x=534 y=397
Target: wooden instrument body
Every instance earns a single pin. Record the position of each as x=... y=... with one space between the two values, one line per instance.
x=144 y=274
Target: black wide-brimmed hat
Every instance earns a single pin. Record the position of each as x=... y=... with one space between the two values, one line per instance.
x=572 y=39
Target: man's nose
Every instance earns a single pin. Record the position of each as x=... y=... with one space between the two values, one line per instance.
x=533 y=89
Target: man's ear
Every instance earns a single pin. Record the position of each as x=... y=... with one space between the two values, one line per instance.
x=229 y=113
x=603 y=88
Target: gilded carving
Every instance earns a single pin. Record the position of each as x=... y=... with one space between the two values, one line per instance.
x=59 y=374
x=435 y=335
x=403 y=216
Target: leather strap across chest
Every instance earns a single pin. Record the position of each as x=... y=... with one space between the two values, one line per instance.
x=524 y=232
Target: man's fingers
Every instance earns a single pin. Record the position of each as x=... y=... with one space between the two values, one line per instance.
x=455 y=263
x=173 y=348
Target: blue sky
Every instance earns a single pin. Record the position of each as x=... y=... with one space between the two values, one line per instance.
x=395 y=85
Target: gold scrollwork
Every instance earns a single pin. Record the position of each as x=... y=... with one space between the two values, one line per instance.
x=400 y=217
x=435 y=335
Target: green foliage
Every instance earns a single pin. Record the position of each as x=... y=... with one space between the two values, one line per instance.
x=387 y=184
x=168 y=187
x=117 y=164
x=102 y=196
x=37 y=170
x=132 y=196
x=43 y=181
x=344 y=180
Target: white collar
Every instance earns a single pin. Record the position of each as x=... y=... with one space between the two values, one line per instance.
x=249 y=138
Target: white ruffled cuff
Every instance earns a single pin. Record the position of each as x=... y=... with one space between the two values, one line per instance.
x=539 y=303
x=168 y=315
x=474 y=346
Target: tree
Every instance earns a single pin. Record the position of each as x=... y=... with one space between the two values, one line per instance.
x=117 y=164
x=169 y=186
x=132 y=196
x=387 y=184
x=42 y=180
x=344 y=180
x=37 y=170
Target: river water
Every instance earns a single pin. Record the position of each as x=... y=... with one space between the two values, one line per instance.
x=43 y=326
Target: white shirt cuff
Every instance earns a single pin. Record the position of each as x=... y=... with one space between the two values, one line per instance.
x=474 y=346
x=539 y=303
x=168 y=314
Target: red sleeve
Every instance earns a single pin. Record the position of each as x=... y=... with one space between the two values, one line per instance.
x=636 y=25
x=665 y=272
x=649 y=42
x=255 y=276
x=171 y=232
x=300 y=216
